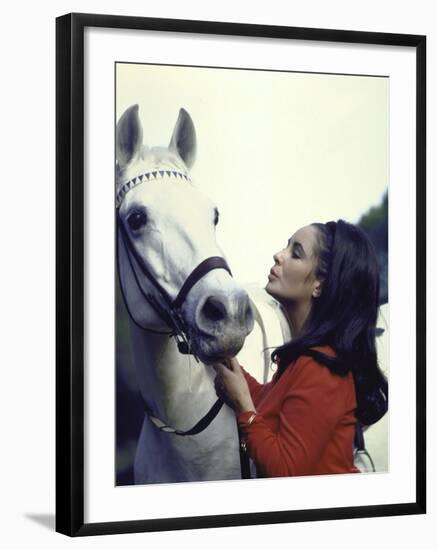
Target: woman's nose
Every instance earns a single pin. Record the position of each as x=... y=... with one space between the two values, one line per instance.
x=277 y=257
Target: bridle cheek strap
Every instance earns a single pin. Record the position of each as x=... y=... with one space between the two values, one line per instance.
x=214 y=262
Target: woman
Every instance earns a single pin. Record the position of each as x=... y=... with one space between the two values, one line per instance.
x=303 y=422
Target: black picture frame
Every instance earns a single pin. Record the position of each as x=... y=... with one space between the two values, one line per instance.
x=70 y=273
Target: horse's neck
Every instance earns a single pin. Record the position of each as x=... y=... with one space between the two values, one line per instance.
x=167 y=379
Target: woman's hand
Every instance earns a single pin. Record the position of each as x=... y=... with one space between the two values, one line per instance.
x=231 y=385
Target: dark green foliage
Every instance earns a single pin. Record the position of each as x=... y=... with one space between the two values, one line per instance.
x=375 y=223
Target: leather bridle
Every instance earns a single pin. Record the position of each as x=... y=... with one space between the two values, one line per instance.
x=168 y=309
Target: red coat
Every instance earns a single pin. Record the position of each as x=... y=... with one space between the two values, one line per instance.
x=305 y=423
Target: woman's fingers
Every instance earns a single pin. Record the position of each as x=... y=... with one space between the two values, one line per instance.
x=218 y=367
x=221 y=391
x=218 y=385
x=222 y=374
x=233 y=363
x=227 y=376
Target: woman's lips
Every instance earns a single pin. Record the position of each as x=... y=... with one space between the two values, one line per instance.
x=273 y=274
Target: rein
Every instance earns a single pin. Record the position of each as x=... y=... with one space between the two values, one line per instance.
x=203 y=423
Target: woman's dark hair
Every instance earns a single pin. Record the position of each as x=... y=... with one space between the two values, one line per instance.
x=344 y=316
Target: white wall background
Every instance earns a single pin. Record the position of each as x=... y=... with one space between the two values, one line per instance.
x=327 y=159
x=28 y=283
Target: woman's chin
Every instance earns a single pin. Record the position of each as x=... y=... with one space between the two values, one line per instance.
x=268 y=288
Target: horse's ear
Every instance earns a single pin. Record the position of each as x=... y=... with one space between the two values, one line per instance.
x=129 y=135
x=183 y=140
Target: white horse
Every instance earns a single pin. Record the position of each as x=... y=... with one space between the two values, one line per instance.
x=165 y=231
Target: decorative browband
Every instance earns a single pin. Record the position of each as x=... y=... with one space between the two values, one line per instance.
x=147 y=176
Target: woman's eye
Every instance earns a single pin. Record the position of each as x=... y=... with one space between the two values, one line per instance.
x=137 y=220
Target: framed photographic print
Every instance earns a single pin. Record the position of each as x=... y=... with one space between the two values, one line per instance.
x=240 y=274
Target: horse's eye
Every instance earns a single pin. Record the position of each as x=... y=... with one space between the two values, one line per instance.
x=216 y=216
x=136 y=220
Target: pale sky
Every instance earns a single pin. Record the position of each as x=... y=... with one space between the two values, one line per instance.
x=275 y=150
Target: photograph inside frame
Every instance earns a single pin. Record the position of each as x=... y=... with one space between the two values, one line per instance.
x=252 y=314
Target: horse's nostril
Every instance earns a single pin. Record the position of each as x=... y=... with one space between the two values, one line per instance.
x=214 y=310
